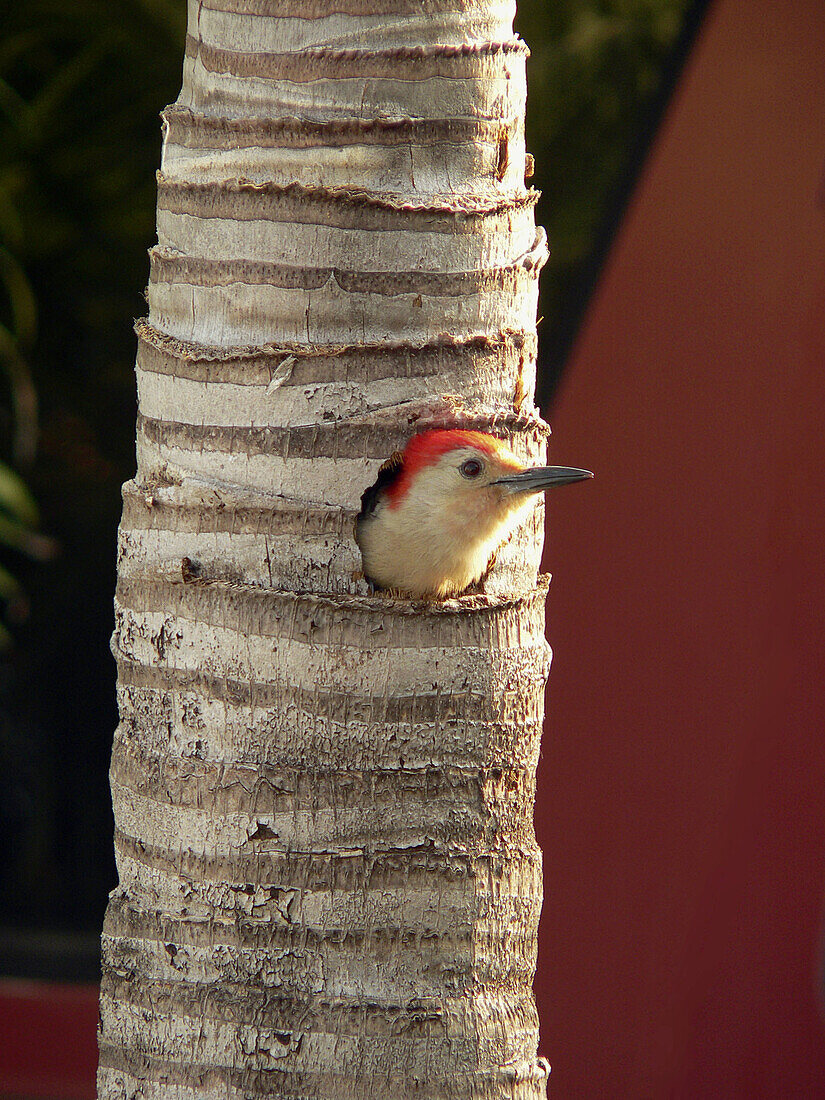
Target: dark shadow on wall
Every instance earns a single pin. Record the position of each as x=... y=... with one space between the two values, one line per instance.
x=573 y=294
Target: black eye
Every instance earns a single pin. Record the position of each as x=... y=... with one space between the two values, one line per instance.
x=471 y=468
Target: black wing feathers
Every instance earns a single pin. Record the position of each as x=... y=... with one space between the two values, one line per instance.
x=386 y=476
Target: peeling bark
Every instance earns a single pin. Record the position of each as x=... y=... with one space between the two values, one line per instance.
x=329 y=880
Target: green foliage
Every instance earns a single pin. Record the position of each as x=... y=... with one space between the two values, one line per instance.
x=81 y=82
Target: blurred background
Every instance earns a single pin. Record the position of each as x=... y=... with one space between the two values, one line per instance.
x=679 y=149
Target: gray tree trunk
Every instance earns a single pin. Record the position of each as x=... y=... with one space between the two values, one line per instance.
x=329 y=881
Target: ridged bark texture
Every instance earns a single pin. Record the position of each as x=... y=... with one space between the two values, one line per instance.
x=329 y=881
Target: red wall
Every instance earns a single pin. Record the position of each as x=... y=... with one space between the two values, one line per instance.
x=48 y=1040
x=682 y=787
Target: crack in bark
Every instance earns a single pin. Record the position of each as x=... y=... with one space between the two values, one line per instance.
x=170 y=267
x=194 y=129
x=296 y=203
x=406 y=63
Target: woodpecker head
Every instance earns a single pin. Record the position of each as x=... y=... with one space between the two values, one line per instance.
x=439 y=510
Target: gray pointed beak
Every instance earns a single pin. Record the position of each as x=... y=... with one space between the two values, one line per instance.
x=540 y=478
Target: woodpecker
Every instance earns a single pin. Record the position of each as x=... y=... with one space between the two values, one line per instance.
x=431 y=524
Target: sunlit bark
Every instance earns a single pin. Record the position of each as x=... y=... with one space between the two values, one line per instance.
x=329 y=881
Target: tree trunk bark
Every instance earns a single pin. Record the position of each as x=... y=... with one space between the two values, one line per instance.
x=329 y=880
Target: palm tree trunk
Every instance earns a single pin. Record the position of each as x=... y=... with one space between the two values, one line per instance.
x=329 y=881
